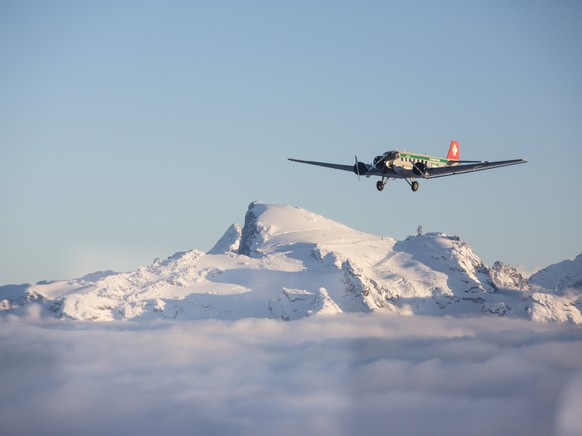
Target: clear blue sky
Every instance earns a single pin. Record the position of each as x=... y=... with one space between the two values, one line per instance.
x=133 y=129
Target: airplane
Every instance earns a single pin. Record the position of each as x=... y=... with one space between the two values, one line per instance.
x=409 y=166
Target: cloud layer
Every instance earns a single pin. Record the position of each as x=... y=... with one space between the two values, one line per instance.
x=367 y=374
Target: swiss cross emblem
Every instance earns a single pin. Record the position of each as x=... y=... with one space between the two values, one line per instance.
x=455 y=149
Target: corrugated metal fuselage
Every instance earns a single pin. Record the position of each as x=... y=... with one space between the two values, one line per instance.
x=395 y=164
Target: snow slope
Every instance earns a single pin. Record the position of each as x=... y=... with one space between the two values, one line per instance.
x=289 y=263
x=560 y=276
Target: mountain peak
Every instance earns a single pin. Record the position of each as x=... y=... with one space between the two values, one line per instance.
x=449 y=254
x=251 y=231
x=230 y=241
x=560 y=276
x=506 y=276
x=268 y=226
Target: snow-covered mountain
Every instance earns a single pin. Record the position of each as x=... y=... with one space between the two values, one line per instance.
x=560 y=276
x=288 y=263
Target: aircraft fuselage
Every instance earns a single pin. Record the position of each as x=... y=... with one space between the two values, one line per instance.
x=409 y=165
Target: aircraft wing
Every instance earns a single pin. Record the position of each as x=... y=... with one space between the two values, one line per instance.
x=432 y=173
x=349 y=168
x=369 y=169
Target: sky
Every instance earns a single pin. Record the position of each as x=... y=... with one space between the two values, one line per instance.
x=339 y=375
x=130 y=130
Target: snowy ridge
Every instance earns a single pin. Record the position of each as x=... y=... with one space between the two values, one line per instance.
x=229 y=243
x=506 y=276
x=560 y=276
x=288 y=263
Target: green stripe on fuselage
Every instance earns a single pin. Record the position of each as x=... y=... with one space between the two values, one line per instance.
x=423 y=157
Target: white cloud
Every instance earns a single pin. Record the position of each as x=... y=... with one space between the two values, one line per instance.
x=366 y=374
x=569 y=420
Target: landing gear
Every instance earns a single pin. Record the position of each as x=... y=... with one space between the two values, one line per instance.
x=413 y=185
x=381 y=183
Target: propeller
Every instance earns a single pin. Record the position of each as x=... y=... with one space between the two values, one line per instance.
x=360 y=168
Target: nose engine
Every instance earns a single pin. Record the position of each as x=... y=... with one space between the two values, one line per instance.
x=380 y=160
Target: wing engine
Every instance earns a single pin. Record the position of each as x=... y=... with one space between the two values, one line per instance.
x=419 y=169
x=360 y=168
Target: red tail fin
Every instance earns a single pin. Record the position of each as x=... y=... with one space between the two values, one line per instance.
x=454 y=151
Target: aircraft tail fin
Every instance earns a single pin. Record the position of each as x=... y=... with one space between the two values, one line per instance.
x=454 y=151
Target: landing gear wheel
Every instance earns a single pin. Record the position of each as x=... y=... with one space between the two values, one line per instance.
x=379 y=185
x=414 y=186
